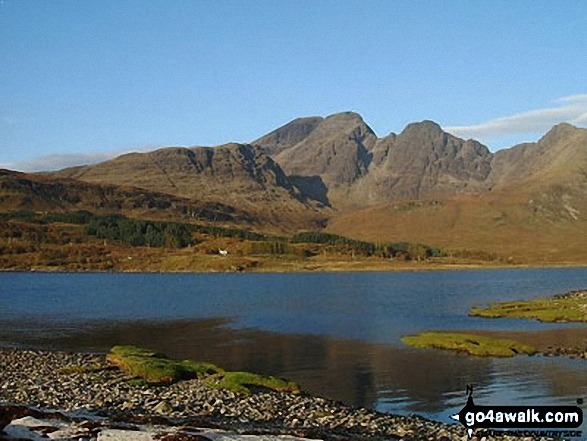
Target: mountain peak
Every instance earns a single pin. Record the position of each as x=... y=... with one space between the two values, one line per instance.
x=343 y=121
x=288 y=135
x=423 y=126
x=348 y=116
x=558 y=132
x=564 y=126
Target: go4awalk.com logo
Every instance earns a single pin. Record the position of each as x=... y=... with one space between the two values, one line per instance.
x=519 y=417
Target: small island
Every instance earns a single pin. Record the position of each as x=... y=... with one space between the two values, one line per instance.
x=471 y=344
x=568 y=307
x=561 y=308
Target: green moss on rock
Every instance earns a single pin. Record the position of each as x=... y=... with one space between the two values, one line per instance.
x=246 y=382
x=151 y=367
x=155 y=368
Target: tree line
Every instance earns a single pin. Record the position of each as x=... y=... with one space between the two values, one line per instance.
x=148 y=233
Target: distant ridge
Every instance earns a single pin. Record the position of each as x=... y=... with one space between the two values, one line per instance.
x=235 y=174
x=33 y=192
x=421 y=185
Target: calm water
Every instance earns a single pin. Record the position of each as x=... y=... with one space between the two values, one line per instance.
x=336 y=334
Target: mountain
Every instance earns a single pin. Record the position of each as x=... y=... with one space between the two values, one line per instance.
x=288 y=135
x=426 y=185
x=234 y=174
x=343 y=155
x=421 y=185
x=307 y=164
x=550 y=173
x=558 y=157
x=232 y=171
x=526 y=203
x=33 y=192
x=340 y=160
x=331 y=156
x=423 y=162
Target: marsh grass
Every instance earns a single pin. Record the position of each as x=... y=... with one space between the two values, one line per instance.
x=565 y=308
x=247 y=382
x=155 y=368
x=469 y=343
x=147 y=367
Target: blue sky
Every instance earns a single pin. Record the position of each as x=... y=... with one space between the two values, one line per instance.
x=83 y=80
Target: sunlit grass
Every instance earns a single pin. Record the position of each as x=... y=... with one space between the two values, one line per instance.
x=469 y=343
x=147 y=367
x=567 y=308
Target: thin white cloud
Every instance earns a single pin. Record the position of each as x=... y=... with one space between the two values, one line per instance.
x=572 y=109
x=60 y=161
x=581 y=98
x=57 y=162
x=582 y=120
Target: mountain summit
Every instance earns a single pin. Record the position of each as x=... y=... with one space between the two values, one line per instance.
x=423 y=161
x=339 y=161
x=421 y=185
x=337 y=150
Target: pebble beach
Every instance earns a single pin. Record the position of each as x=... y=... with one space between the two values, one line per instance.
x=81 y=390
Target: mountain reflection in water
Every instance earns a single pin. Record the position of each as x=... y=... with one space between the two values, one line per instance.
x=363 y=374
x=337 y=334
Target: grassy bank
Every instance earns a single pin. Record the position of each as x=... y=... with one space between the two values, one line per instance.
x=472 y=344
x=569 y=307
x=143 y=365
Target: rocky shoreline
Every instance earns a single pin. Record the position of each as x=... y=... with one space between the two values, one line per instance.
x=83 y=397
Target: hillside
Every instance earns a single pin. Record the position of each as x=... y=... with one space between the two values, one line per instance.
x=234 y=174
x=526 y=203
x=423 y=162
x=344 y=158
x=38 y=193
x=337 y=151
x=531 y=205
x=423 y=185
x=84 y=241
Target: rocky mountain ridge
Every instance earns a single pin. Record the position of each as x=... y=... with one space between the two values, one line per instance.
x=422 y=162
x=338 y=161
x=336 y=172
x=234 y=174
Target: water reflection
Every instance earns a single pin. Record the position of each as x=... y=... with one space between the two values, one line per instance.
x=336 y=334
x=364 y=374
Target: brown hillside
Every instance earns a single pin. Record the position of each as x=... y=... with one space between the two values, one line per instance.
x=421 y=185
x=287 y=136
x=234 y=174
x=27 y=192
x=425 y=185
x=423 y=162
x=337 y=151
x=506 y=225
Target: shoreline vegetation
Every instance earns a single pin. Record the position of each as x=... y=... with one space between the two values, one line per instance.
x=570 y=307
x=93 y=396
x=146 y=367
x=478 y=345
x=562 y=308
x=82 y=241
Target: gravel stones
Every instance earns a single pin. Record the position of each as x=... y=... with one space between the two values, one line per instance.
x=59 y=381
